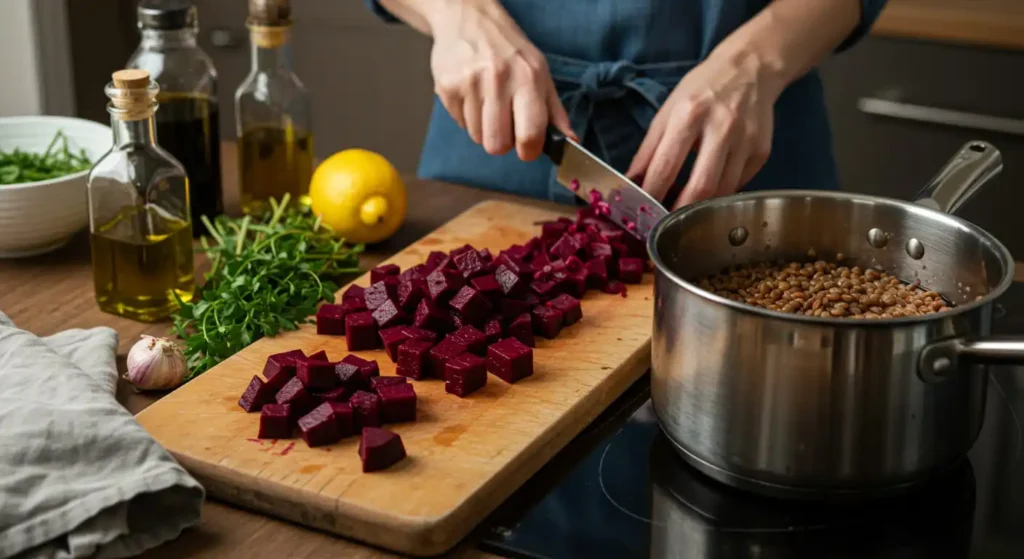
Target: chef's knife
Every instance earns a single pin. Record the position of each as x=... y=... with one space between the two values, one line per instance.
x=583 y=172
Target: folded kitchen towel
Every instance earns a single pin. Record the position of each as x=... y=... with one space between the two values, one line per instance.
x=79 y=477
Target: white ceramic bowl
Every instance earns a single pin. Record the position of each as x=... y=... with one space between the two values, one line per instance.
x=37 y=217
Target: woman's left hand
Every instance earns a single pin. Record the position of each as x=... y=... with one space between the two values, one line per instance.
x=724 y=106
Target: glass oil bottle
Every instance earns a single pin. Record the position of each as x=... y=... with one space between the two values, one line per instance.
x=187 y=122
x=139 y=220
x=272 y=114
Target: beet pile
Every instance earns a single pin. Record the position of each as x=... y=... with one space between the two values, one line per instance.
x=455 y=317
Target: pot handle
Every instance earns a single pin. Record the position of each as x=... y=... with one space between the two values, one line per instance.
x=974 y=165
x=941 y=359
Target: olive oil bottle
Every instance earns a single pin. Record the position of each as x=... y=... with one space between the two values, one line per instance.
x=272 y=114
x=139 y=220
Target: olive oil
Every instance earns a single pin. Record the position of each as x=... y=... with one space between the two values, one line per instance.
x=142 y=262
x=274 y=161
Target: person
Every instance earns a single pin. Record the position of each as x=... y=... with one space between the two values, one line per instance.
x=690 y=98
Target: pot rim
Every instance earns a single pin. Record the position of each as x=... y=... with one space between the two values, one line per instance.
x=1004 y=254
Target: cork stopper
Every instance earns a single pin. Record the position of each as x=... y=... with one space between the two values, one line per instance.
x=131 y=78
x=270 y=13
x=132 y=94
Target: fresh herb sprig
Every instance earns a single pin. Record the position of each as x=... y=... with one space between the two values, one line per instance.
x=267 y=275
x=57 y=161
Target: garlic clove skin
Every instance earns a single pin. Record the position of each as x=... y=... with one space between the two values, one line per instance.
x=156 y=364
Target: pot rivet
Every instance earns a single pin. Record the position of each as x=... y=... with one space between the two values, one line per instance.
x=877 y=238
x=738 y=236
x=915 y=249
x=941 y=365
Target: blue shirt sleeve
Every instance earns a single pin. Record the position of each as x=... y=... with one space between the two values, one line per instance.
x=869 y=10
x=385 y=15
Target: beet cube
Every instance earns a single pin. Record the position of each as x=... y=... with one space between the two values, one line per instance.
x=316 y=375
x=602 y=251
x=388 y=315
x=379 y=449
x=397 y=402
x=392 y=338
x=417 y=272
x=522 y=329
x=615 y=287
x=365 y=409
x=517 y=265
x=456 y=319
x=572 y=312
x=355 y=372
x=275 y=422
x=353 y=292
x=631 y=270
x=361 y=331
x=383 y=271
x=511 y=284
x=319 y=427
x=574 y=283
x=487 y=285
x=568 y=245
x=511 y=308
x=434 y=260
x=551 y=231
x=597 y=273
x=430 y=316
x=256 y=395
x=465 y=374
x=343 y=417
x=464 y=248
x=443 y=283
x=339 y=394
x=472 y=339
x=486 y=256
x=295 y=394
x=518 y=252
x=471 y=305
x=353 y=305
x=545 y=289
x=510 y=360
x=410 y=293
x=381 y=291
x=376 y=382
x=493 y=330
x=280 y=368
x=413 y=359
x=330 y=320
x=547 y=321
x=415 y=333
x=318 y=356
x=470 y=264
x=442 y=353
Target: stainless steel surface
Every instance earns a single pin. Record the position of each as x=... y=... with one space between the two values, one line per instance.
x=946 y=357
x=974 y=165
x=799 y=405
x=936 y=115
x=582 y=171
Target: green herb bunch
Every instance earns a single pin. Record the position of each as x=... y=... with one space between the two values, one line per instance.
x=58 y=160
x=268 y=274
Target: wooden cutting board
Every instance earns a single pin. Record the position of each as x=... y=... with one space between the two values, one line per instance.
x=465 y=456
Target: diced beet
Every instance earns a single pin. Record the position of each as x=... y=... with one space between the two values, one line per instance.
x=573 y=264
x=522 y=329
x=355 y=372
x=339 y=394
x=379 y=292
x=572 y=312
x=330 y=320
x=295 y=394
x=486 y=256
x=470 y=264
x=574 y=283
x=413 y=359
x=465 y=374
x=388 y=315
x=487 y=285
x=597 y=273
x=318 y=356
x=471 y=338
x=392 y=338
x=547 y=321
x=568 y=245
x=415 y=333
x=456 y=319
x=615 y=287
x=280 y=368
x=442 y=284
x=631 y=270
x=511 y=308
x=430 y=316
x=434 y=259
x=397 y=402
x=410 y=293
x=602 y=251
x=517 y=265
x=620 y=249
x=379 y=449
x=540 y=259
x=353 y=305
x=441 y=353
x=551 y=231
x=381 y=381
x=365 y=409
x=316 y=375
x=353 y=292
x=417 y=272
x=493 y=330
x=517 y=251
x=510 y=360
x=319 y=427
x=545 y=289
x=343 y=417
x=471 y=305
x=383 y=271
x=256 y=395
x=512 y=284
x=464 y=248
x=275 y=422
x=361 y=331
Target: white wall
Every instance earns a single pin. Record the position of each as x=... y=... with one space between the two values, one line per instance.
x=21 y=90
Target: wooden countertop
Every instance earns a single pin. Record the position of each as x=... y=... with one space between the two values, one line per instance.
x=987 y=23
x=54 y=292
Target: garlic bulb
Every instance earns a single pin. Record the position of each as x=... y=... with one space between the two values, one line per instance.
x=156 y=364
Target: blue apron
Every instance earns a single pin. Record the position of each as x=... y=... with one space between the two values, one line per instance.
x=614 y=62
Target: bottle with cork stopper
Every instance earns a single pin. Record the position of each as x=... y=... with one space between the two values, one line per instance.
x=272 y=114
x=139 y=220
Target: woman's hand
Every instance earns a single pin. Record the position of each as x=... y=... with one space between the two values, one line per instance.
x=492 y=80
x=724 y=106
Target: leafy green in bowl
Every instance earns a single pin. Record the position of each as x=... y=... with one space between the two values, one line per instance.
x=58 y=160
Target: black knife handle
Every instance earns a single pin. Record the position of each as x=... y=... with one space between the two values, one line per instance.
x=554 y=145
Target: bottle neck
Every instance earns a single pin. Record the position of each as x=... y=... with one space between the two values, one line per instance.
x=271 y=49
x=132 y=132
x=156 y=39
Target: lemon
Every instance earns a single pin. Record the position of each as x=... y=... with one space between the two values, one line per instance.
x=359 y=194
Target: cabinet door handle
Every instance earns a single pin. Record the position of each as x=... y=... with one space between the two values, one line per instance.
x=936 y=115
x=223 y=38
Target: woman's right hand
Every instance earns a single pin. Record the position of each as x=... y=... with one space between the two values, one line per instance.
x=492 y=79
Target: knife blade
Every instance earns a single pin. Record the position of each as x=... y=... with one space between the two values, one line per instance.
x=583 y=173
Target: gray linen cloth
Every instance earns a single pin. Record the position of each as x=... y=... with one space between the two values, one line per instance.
x=79 y=477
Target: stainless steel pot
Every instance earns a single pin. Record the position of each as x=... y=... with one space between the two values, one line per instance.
x=794 y=405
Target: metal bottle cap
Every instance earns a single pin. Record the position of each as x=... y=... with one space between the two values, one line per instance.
x=166 y=15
